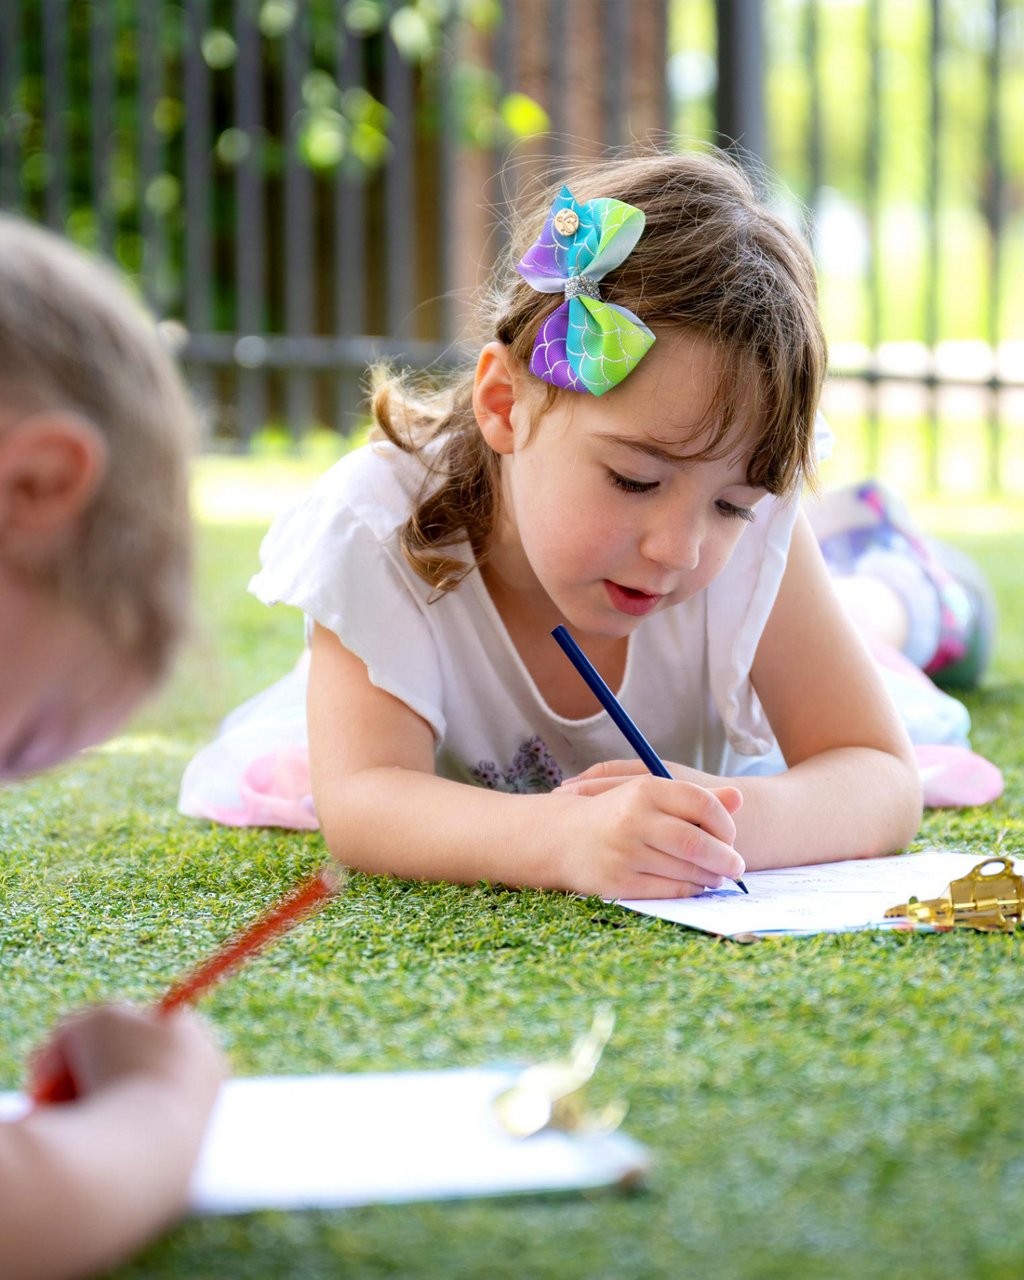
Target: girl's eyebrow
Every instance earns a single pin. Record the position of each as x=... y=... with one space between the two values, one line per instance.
x=646 y=447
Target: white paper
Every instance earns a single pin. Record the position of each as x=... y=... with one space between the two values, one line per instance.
x=833 y=897
x=303 y=1142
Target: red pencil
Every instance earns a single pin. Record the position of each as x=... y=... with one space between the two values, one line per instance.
x=295 y=906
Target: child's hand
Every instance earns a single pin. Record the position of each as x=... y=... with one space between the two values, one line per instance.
x=647 y=837
x=102 y=1047
x=612 y=773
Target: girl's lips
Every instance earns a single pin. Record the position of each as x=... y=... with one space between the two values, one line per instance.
x=629 y=600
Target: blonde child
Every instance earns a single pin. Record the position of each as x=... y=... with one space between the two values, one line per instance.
x=95 y=433
x=625 y=458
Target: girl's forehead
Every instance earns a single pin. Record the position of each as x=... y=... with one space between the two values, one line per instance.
x=691 y=399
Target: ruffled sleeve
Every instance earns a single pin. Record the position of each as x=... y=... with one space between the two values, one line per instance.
x=335 y=556
x=739 y=603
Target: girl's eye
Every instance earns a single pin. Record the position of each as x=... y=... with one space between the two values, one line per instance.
x=735 y=513
x=631 y=486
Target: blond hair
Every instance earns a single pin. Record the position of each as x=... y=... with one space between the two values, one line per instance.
x=72 y=339
x=713 y=261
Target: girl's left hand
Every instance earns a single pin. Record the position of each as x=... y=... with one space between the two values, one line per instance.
x=612 y=773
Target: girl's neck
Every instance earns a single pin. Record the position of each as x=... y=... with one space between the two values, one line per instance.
x=529 y=621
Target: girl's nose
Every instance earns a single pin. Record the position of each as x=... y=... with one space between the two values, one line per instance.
x=673 y=543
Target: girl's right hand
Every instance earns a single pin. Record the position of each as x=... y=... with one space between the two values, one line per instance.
x=103 y=1046
x=648 y=837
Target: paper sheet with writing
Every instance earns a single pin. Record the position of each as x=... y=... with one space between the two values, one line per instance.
x=329 y=1141
x=831 y=897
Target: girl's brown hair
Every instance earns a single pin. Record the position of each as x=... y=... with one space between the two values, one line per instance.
x=713 y=261
x=73 y=339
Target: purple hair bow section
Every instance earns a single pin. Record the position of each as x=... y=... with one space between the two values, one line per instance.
x=587 y=344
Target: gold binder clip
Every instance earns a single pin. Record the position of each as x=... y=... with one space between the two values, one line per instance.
x=992 y=901
x=549 y=1095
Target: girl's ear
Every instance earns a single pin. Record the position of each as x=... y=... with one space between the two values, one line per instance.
x=494 y=396
x=51 y=465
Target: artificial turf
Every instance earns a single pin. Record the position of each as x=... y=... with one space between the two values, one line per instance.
x=835 y=1106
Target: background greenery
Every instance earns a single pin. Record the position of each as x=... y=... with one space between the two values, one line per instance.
x=847 y=1106
x=348 y=130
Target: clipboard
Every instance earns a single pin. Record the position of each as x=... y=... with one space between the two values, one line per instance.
x=342 y=1141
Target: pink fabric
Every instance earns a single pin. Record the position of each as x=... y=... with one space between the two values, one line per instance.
x=886 y=655
x=955 y=778
x=952 y=777
x=275 y=792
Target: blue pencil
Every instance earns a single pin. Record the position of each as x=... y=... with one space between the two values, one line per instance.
x=615 y=709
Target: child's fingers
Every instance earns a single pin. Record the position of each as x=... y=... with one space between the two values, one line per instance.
x=44 y=1064
x=694 y=851
x=695 y=805
x=666 y=866
x=653 y=886
x=731 y=797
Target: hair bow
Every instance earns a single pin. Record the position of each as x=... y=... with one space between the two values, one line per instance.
x=587 y=344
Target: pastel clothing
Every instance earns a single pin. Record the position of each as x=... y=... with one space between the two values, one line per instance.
x=865 y=531
x=336 y=556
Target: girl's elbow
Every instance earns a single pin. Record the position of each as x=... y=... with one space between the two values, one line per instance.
x=910 y=801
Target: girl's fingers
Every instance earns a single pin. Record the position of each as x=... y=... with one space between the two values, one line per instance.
x=698 y=806
x=694 y=850
x=708 y=808
x=652 y=886
x=665 y=866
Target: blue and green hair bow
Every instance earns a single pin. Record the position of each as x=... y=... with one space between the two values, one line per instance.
x=587 y=344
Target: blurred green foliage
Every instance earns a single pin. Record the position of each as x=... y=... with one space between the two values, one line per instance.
x=136 y=51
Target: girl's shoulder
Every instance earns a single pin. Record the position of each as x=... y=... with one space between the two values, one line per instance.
x=343 y=530
x=376 y=484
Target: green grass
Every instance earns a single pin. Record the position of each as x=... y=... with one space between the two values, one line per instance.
x=846 y=1106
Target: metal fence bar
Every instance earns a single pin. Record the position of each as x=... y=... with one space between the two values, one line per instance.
x=506 y=66
x=55 y=71
x=740 y=92
x=558 y=37
x=872 y=160
x=933 y=259
x=400 y=196
x=198 y=248
x=995 y=195
x=250 y=224
x=298 y=222
x=815 y=146
x=448 y=128
x=349 y=206
x=615 y=50
x=10 y=108
x=101 y=119
x=149 y=89
x=318 y=351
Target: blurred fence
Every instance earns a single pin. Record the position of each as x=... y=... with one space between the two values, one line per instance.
x=306 y=185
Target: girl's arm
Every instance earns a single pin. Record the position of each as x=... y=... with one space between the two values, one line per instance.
x=852 y=788
x=382 y=808
x=84 y=1184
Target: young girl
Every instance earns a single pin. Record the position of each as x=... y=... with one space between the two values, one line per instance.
x=625 y=458
x=95 y=436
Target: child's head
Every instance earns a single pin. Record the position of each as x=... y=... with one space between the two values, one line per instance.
x=712 y=264
x=96 y=430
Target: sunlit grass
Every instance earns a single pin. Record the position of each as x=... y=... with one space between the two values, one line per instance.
x=830 y=1108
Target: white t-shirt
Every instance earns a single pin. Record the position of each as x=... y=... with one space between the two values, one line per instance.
x=335 y=555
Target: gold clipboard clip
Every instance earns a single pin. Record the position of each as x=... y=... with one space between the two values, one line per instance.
x=992 y=901
x=550 y=1095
